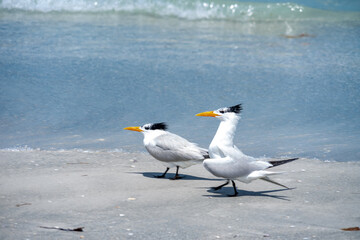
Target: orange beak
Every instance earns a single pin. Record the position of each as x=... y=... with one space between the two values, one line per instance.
x=207 y=114
x=137 y=129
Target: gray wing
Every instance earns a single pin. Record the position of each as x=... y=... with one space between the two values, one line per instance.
x=170 y=147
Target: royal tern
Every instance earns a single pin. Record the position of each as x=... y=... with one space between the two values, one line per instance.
x=171 y=149
x=227 y=161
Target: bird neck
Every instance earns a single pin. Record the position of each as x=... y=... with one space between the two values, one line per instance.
x=226 y=131
x=149 y=136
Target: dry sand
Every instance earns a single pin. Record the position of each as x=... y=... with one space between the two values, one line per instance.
x=115 y=196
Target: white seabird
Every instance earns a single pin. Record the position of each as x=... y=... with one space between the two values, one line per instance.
x=227 y=161
x=171 y=149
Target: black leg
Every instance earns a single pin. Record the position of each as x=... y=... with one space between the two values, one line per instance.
x=163 y=175
x=219 y=187
x=177 y=174
x=235 y=191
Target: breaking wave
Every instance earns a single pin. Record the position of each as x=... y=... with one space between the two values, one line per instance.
x=188 y=9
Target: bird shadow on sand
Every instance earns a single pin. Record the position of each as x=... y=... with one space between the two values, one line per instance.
x=225 y=191
x=172 y=175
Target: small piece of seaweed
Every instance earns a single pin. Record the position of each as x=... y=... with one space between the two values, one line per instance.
x=79 y=229
x=22 y=204
x=351 y=229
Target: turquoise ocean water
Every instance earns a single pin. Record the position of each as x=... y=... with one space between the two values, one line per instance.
x=73 y=74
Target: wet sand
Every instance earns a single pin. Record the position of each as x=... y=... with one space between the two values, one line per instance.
x=115 y=196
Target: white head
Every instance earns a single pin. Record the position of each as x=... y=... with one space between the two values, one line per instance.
x=223 y=114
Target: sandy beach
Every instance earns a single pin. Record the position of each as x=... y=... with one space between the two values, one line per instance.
x=114 y=195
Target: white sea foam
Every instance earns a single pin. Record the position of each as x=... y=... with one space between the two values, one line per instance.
x=24 y=148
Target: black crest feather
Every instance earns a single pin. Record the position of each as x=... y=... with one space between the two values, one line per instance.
x=236 y=108
x=160 y=126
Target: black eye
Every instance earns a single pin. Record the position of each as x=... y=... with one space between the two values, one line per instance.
x=222 y=111
x=146 y=128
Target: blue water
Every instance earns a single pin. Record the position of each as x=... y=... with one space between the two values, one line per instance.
x=73 y=74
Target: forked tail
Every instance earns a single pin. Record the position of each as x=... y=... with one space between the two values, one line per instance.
x=274 y=164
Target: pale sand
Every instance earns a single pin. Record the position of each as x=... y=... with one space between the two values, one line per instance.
x=115 y=196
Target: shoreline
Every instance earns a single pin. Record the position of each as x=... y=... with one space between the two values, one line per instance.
x=114 y=195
